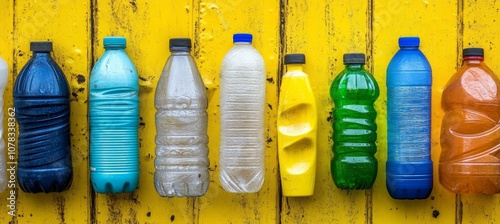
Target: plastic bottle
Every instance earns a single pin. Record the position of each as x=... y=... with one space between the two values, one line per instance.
x=114 y=120
x=470 y=132
x=181 y=126
x=41 y=99
x=354 y=92
x=409 y=164
x=297 y=126
x=3 y=164
x=242 y=100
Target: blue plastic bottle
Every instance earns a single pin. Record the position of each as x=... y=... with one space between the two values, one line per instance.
x=114 y=120
x=409 y=81
x=41 y=99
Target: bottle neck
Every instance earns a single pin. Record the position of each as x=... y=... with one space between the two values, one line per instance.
x=409 y=47
x=473 y=60
x=179 y=52
x=41 y=54
x=354 y=66
x=295 y=67
x=242 y=43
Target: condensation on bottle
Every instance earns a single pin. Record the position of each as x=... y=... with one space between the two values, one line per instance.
x=470 y=130
x=181 y=126
x=242 y=101
x=114 y=120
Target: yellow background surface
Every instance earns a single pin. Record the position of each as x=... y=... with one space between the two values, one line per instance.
x=322 y=29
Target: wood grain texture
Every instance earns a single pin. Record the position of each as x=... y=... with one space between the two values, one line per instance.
x=217 y=22
x=393 y=19
x=323 y=30
x=66 y=24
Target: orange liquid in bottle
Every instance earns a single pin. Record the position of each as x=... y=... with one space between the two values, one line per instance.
x=470 y=132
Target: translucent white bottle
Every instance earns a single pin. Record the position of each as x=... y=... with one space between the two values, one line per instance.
x=242 y=100
x=181 y=126
x=3 y=165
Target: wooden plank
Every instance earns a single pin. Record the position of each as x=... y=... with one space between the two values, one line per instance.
x=481 y=28
x=217 y=22
x=324 y=31
x=6 y=52
x=66 y=23
x=148 y=26
x=392 y=19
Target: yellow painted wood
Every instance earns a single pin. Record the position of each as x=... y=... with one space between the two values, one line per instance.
x=393 y=19
x=148 y=26
x=481 y=28
x=217 y=22
x=6 y=52
x=324 y=31
x=66 y=24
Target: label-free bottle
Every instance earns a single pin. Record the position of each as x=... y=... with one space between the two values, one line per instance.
x=114 y=120
x=242 y=100
x=3 y=165
x=41 y=99
x=409 y=81
x=470 y=131
x=181 y=126
x=297 y=125
x=354 y=92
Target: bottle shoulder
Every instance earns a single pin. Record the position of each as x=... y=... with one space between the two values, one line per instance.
x=408 y=60
x=357 y=84
x=41 y=76
x=242 y=58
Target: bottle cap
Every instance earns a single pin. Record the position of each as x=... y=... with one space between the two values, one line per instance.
x=467 y=52
x=42 y=46
x=295 y=59
x=180 y=43
x=354 y=58
x=409 y=41
x=242 y=37
x=115 y=41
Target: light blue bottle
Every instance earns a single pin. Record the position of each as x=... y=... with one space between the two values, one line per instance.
x=409 y=81
x=114 y=120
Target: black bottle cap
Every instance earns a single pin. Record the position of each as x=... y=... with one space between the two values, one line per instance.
x=179 y=43
x=467 y=52
x=295 y=59
x=42 y=46
x=354 y=58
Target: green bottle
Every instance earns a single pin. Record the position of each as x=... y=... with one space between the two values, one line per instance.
x=354 y=92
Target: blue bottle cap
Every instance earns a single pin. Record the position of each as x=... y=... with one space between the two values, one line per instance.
x=409 y=41
x=242 y=37
x=115 y=41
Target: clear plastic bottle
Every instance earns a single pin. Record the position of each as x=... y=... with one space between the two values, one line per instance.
x=470 y=132
x=409 y=82
x=114 y=120
x=3 y=165
x=41 y=99
x=181 y=126
x=242 y=100
x=297 y=126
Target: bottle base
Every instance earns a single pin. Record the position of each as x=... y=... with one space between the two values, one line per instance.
x=354 y=176
x=471 y=178
x=409 y=180
x=115 y=183
x=45 y=181
x=249 y=183
x=194 y=185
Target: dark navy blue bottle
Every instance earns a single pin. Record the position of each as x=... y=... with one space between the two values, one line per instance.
x=41 y=99
x=409 y=81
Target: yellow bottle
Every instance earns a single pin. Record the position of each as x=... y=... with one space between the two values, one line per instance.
x=297 y=125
